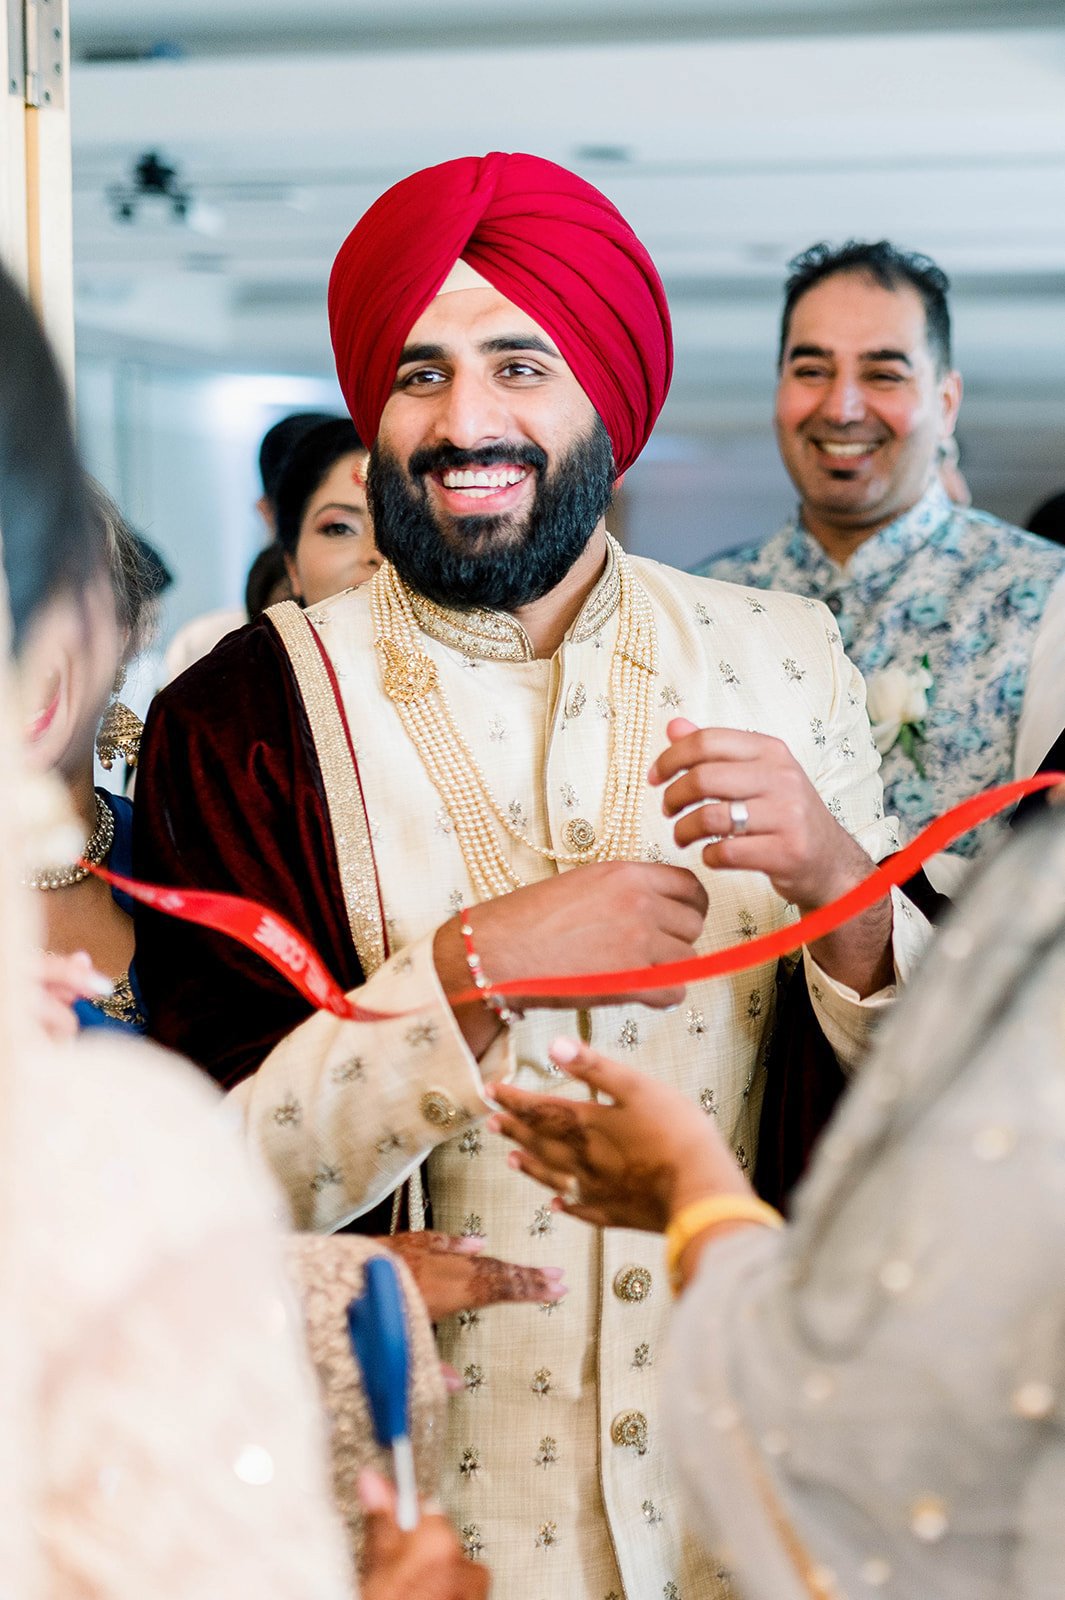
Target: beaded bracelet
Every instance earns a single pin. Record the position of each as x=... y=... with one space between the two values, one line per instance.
x=707 y=1213
x=494 y=1002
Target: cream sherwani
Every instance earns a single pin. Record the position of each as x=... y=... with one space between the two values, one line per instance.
x=555 y=1468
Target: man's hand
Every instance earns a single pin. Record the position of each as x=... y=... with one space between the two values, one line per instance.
x=609 y=915
x=427 y=1563
x=452 y=1275
x=790 y=835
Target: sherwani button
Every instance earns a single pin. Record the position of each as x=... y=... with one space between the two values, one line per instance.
x=438 y=1108
x=629 y=1431
x=633 y=1284
x=578 y=835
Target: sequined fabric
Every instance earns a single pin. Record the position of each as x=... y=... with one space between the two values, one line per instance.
x=871 y=1403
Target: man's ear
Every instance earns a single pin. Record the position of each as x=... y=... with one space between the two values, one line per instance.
x=950 y=392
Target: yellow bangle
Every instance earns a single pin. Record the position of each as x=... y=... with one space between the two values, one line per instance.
x=694 y=1219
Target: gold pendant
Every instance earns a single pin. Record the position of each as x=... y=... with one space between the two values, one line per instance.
x=408 y=675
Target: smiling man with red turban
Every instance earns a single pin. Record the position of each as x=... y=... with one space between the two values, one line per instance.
x=549 y=242
x=442 y=779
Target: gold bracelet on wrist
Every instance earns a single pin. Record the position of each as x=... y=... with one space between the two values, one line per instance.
x=694 y=1219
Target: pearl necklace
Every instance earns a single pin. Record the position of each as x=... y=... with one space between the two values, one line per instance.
x=411 y=681
x=97 y=849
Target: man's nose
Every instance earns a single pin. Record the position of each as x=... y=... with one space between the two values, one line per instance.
x=471 y=412
x=844 y=400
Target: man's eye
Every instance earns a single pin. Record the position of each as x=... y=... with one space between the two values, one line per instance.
x=809 y=372
x=421 y=378
x=887 y=378
x=520 y=369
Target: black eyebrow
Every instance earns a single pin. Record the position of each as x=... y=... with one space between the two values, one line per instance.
x=817 y=352
x=422 y=352
x=800 y=351
x=887 y=355
x=519 y=341
x=500 y=345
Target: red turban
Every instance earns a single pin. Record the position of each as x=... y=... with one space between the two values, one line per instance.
x=546 y=240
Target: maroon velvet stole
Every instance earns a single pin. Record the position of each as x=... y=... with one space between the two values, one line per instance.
x=230 y=797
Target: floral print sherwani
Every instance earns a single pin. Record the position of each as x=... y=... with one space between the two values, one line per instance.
x=954 y=585
x=555 y=1471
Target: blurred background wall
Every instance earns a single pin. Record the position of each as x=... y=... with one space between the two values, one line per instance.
x=732 y=133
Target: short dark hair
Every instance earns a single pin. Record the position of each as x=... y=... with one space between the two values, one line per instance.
x=266 y=572
x=279 y=442
x=309 y=462
x=887 y=266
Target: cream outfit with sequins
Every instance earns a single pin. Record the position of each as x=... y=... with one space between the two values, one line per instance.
x=555 y=1468
x=870 y=1403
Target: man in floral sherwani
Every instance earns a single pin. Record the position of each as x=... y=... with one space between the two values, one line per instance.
x=955 y=619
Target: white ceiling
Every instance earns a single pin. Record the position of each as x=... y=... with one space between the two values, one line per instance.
x=732 y=138
x=115 y=27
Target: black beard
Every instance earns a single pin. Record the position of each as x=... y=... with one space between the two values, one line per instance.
x=493 y=562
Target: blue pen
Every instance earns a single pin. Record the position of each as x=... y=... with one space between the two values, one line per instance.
x=377 y=1326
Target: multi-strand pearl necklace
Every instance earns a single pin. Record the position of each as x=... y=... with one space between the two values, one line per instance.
x=411 y=681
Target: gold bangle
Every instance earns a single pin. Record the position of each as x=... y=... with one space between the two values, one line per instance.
x=694 y=1219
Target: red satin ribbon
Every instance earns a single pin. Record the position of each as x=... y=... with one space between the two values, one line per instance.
x=256 y=926
x=278 y=942
x=771 y=946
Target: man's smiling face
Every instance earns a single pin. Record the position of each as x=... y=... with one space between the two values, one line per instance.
x=491 y=469
x=860 y=406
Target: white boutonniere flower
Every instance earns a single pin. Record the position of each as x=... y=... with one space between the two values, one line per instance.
x=897 y=702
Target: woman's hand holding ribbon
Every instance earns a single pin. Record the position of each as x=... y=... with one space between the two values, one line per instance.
x=632 y=1162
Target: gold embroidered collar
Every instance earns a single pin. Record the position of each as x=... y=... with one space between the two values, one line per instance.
x=497 y=636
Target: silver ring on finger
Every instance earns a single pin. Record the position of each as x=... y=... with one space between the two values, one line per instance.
x=739 y=817
x=571 y=1193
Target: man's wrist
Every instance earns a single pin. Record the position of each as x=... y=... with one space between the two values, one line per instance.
x=479 y=1025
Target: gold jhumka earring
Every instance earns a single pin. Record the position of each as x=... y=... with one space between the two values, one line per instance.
x=119 y=736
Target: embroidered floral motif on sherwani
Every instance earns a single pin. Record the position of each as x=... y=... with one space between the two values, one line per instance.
x=944 y=582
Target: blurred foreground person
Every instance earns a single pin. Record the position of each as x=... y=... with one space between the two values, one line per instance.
x=82 y=915
x=161 y=1428
x=868 y=1401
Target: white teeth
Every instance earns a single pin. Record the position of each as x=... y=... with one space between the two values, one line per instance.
x=502 y=478
x=863 y=448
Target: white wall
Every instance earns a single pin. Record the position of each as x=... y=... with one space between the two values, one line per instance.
x=179 y=451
